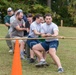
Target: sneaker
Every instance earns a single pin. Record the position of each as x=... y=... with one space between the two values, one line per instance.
x=60 y=70
x=32 y=60
x=10 y=51
x=27 y=59
x=22 y=57
x=41 y=63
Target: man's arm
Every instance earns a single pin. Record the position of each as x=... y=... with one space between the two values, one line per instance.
x=55 y=33
x=36 y=32
x=20 y=29
x=28 y=30
x=6 y=21
x=27 y=25
x=49 y=35
x=34 y=29
x=7 y=24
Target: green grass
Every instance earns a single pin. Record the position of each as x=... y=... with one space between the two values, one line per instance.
x=66 y=52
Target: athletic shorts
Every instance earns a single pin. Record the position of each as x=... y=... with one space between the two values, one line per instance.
x=52 y=44
x=32 y=42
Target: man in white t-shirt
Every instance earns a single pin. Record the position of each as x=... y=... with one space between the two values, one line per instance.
x=49 y=29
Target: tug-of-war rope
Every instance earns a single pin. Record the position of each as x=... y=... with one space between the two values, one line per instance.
x=26 y=38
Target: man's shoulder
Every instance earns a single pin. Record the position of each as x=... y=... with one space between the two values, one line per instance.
x=15 y=21
x=6 y=16
x=22 y=20
x=43 y=25
x=33 y=23
x=12 y=17
x=54 y=24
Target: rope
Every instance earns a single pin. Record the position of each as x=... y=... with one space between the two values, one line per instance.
x=25 y=38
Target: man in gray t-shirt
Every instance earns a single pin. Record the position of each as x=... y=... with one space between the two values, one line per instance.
x=12 y=19
x=35 y=32
x=15 y=32
x=18 y=31
x=49 y=29
x=35 y=26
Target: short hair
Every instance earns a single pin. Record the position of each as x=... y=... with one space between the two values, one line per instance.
x=48 y=14
x=29 y=15
x=37 y=16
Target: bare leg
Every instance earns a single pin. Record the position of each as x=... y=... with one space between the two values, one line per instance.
x=32 y=60
x=44 y=54
x=56 y=59
x=22 y=50
x=37 y=49
x=40 y=52
x=31 y=53
x=21 y=45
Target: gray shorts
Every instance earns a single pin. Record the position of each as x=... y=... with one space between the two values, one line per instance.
x=13 y=41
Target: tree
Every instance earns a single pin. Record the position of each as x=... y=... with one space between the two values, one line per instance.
x=72 y=10
x=49 y=3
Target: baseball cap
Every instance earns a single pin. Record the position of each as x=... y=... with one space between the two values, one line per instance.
x=9 y=9
x=20 y=10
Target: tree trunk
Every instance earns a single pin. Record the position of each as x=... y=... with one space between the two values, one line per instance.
x=49 y=3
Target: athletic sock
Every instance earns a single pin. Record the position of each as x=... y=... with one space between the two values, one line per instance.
x=22 y=52
x=59 y=67
x=42 y=60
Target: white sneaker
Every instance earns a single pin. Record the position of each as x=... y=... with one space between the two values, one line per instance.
x=60 y=70
x=22 y=57
x=42 y=63
x=10 y=51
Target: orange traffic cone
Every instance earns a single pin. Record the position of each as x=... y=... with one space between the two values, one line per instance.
x=16 y=66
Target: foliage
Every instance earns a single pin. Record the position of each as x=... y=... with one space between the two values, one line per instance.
x=60 y=9
x=37 y=8
x=26 y=6
x=72 y=11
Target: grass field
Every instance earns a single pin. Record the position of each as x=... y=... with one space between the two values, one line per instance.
x=66 y=52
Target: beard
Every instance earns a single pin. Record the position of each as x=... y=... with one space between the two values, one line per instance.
x=19 y=19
